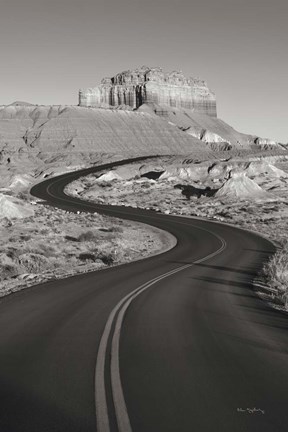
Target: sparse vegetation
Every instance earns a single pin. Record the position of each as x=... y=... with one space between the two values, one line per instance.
x=275 y=272
x=107 y=259
x=87 y=236
x=56 y=244
x=87 y=257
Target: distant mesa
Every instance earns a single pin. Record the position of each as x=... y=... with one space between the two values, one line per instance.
x=148 y=85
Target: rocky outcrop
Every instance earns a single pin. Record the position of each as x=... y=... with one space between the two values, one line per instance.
x=266 y=143
x=11 y=207
x=239 y=186
x=151 y=85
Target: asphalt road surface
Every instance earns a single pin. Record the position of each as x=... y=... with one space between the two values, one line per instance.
x=175 y=342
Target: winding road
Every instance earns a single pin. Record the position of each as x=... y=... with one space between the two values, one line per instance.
x=177 y=342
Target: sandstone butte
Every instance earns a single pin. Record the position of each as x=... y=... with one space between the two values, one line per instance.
x=151 y=86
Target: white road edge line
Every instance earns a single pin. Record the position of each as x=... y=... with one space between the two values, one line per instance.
x=117 y=390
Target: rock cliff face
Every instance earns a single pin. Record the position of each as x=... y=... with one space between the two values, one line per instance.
x=151 y=85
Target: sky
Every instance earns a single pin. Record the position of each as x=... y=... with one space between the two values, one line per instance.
x=51 y=48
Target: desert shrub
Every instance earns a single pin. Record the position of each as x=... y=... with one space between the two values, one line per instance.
x=276 y=273
x=107 y=259
x=223 y=213
x=13 y=239
x=5 y=222
x=8 y=271
x=44 y=231
x=12 y=253
x=95 y=255
x=105 y=184
x=85 y=256
x=28 y=219
x=23 y=195
x=145 y=185
x=43 y=249
x=25 y=237
x=70 y=238
x=87 y=236
x=115 y=229
x=47 y=250
x=33 y=262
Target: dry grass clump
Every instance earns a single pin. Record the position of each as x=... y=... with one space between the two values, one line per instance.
x=41 y=248
x=105 y=258
x=88 y=236
x=7 y=268
x=276 y=274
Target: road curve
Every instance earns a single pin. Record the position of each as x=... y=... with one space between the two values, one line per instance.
x=175 y=342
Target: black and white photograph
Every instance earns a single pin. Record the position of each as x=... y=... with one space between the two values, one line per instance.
x=143 y=216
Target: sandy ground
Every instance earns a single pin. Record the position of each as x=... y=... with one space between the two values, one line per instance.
x=249 y=194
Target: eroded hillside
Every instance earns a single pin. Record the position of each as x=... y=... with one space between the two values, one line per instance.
x=46 y=140
x=72 y=129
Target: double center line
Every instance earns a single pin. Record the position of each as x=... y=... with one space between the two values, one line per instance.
x=117 y=315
